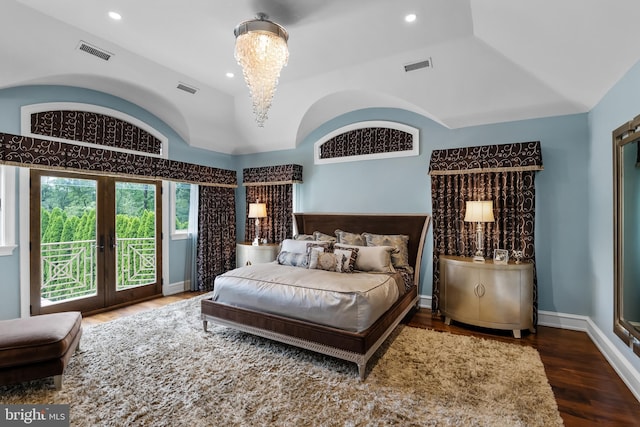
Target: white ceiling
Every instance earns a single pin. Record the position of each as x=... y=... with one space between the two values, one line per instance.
x=493 y=60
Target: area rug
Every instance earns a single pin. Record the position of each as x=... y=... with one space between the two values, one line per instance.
x=159 y=368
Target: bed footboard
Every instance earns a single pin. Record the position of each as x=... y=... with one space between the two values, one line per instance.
x=345 y=345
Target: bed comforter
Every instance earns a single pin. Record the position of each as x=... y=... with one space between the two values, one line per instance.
x=352 y=302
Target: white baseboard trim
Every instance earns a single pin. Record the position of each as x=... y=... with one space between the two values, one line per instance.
x=425 y=301
x=572 y=322
x=174 y=288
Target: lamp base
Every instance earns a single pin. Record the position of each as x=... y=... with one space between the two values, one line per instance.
x=478 y=258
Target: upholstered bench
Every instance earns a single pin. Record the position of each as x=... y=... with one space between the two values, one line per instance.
x=38 y=347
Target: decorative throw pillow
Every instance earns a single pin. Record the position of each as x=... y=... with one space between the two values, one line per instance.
x=317 y=247
x=349 y=258
x=323 y=237
x=291 y=245
x=325 y=261
x=350 y=238
x=293 y=259
x=400 y=242
x=376 y=259
x=324 y=246
x=304 y=237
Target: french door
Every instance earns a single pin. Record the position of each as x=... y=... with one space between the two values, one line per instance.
x=95 y=241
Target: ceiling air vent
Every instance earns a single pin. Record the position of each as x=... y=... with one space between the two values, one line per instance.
x=418 y=65
x=187 y=88
x=93 y=50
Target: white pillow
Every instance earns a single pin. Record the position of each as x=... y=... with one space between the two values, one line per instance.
x=372 y=258
x=296 y=246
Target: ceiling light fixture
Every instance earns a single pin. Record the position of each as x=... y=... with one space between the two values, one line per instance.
x=410 y=17
x=261 y=50
x=115 y=16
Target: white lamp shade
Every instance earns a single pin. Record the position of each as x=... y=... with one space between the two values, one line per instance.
x=257 y=210
x=479 y=211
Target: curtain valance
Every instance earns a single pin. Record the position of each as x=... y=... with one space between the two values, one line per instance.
x=272 y=175
x=520 y=156
x=44 y=154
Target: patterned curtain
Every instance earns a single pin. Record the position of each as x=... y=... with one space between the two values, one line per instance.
x=216 y=246
x=509 y=183
x=278 y=225
x=272 y=185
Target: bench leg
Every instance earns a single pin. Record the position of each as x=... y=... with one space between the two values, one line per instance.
x=57 y=381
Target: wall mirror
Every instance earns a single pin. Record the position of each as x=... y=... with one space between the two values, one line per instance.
x=626 y=183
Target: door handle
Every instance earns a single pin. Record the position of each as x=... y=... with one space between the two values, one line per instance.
x=480 y=290
x=101 y=244
x=112 y=241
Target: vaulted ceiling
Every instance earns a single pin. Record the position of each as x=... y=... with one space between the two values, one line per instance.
x=491 y=60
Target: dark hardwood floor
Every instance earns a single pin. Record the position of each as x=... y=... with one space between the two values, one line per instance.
x=587 y=389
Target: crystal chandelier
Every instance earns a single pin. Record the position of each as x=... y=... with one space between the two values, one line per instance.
x=261 y=50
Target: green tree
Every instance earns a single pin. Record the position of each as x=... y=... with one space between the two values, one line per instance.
x=182 y=202
x=134 y=226
x=89 y=230
x=54 y=227
x=45 y=216
x=147 y=225
x=69 y=228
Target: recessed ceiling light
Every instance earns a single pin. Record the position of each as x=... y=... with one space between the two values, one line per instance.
x=410 y=17
x=115 y=16
x=230 y=75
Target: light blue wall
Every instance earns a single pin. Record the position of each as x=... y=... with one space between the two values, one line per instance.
x=403 y=185
x=10 y=102
x=621 y=104
x=393 y=185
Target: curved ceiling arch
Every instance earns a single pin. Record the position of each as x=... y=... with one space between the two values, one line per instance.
x=339 y=103
x=139 y=96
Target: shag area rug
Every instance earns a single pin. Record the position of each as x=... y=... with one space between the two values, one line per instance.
x=159 y=368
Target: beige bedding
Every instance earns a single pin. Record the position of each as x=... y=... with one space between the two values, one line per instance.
x=349 y=301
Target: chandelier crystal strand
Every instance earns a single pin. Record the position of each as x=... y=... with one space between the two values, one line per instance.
x=262 y=53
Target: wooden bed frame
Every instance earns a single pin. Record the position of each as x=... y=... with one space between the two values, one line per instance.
x=355 y=347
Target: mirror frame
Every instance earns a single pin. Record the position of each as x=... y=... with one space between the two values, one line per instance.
x=626 y=134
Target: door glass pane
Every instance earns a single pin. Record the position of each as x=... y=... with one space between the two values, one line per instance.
x=68 y=239
x=135 y=240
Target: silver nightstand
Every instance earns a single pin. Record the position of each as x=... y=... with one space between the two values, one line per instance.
x=487 y=294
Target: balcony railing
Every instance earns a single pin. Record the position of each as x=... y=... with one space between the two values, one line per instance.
x=69 y=269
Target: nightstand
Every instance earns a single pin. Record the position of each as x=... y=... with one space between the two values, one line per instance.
x=489 y=295
x=247 y=254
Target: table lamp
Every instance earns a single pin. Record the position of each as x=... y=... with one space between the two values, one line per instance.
x=257 y=210
x=479 y=212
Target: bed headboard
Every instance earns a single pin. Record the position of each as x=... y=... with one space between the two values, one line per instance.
x=413 y=225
